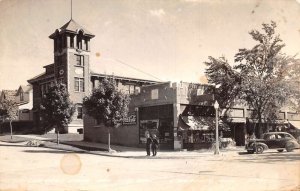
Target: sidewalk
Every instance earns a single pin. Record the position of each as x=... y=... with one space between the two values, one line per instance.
x=133 y=152
x=121 y=151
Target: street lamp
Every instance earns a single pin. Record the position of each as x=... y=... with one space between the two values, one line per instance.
x=216 y=106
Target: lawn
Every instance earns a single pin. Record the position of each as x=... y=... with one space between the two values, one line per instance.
x=15 y=139
x=62 y=137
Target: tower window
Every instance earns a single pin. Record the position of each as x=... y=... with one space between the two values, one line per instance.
x=79 y=40
x=72 y=41
x=79 y=84
x=79 y=60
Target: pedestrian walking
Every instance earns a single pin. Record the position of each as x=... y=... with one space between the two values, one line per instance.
x=148 y=144
x=154 y=145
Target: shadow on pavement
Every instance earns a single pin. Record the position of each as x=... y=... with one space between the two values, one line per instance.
x=244 y=153
x=4 y=145
x=270 y=157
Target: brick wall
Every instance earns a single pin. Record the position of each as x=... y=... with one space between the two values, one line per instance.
x=77 y=97
x=166 y=95
x=124 y=135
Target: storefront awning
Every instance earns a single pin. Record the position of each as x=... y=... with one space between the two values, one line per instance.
x=295 y=124
x=200 y=123
x=195 y=123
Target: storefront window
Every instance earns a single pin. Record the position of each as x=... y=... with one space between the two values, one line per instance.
x=148 y=126
x=197 y=137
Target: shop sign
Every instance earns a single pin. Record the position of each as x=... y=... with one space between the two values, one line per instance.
x=130 y=119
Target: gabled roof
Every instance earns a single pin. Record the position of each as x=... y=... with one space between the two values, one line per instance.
x=24 y=88
x=72 y=27
x=9 y=94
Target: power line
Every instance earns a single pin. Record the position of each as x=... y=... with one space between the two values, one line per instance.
x=71 y=9
x=137 y=69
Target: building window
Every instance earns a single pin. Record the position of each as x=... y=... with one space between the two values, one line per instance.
x=131 y=89
x=79 y=112
x=79 y=60
x=79 y=84
x=21 y=96
x=154 y=94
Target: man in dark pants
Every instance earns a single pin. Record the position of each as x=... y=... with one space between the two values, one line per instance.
x=154 y=145
x=148 y=144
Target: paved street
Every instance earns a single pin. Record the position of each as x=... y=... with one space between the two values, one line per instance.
x=35 y=168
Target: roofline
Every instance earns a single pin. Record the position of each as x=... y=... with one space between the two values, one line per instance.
x=158 y=83
x=35 y=78
x=123 y=77
x=48 y=65
x=69 y=31
x=39 y=75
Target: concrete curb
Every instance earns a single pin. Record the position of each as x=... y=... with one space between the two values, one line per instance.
x=133 y=154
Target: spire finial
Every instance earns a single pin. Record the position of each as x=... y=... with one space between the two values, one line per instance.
x=71 y=9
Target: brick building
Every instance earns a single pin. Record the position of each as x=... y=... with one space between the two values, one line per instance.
x=158 y=109
x=71 y=66
x=183 y=117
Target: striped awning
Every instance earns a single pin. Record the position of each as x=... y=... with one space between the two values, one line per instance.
x=203 y=123
x=295 y=124
x=196 y=123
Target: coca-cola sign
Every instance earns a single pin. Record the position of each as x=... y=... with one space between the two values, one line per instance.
x=130 y=119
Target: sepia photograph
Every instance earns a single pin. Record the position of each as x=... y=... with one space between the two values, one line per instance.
x=161 y=95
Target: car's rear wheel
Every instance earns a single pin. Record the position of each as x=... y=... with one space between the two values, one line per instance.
x=259 y=149
x=289 y=147
x=280 y=150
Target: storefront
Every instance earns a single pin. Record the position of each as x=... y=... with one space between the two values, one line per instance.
x=196 y=127
x=157 y=120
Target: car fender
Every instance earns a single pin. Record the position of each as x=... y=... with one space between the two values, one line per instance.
x=295 y=144
x=262 y=144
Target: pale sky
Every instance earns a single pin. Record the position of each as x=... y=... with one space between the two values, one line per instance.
x=168 y=39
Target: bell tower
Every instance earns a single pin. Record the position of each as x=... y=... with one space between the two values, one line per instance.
x=72 y=60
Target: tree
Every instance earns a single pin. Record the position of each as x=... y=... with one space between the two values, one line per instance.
x=107 y=105
x=9 y=109
x=56 y=108
x=263 y=77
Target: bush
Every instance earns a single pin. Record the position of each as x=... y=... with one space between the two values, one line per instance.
x=35 y=143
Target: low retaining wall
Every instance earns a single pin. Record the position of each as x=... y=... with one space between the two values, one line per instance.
x=18 y=127
x=127 y=135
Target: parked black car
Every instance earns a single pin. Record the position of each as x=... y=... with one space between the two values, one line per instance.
x=273 y=140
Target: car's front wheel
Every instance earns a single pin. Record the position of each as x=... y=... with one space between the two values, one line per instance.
x=259 y=149
x=289 y=147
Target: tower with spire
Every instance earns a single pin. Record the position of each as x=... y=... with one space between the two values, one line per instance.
x=71 y=66
x=71 y=50
x=71 y=58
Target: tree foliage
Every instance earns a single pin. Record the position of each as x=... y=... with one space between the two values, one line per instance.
x=106 y=104
x=56 y=108
x=263 y=76
x=221 y=73
x=9 y=109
